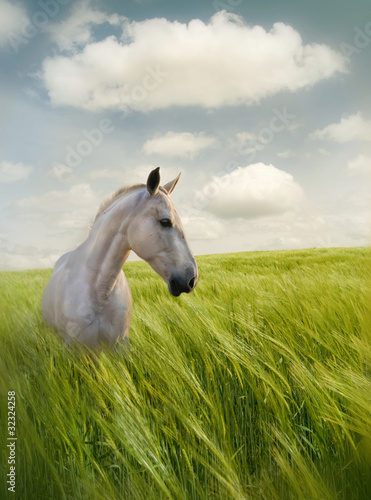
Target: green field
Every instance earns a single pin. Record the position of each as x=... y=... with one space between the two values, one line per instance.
x=255 y=386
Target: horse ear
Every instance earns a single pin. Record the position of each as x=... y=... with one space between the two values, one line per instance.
x=153 y=181
x=171 y=185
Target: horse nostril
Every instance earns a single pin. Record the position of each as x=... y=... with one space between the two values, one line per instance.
x=191 y=284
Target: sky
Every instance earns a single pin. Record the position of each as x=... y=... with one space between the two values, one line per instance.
x=263 y=106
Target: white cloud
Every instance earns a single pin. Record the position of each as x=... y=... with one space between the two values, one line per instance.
x=74 y=208
x=360 y=199
x=323 y=152
x=160 y=63
x=76 y=30
x=12 y=172
x=78 y=195
x=18 y=257
x=250 y=192
x=287 y=153
x=350 y=128
x=13 y=18
x=354 y=215
x=309 y=226
x=243 y=137
x=178 y=145
x=65 y=209
x=361 y=164
x=202 y=228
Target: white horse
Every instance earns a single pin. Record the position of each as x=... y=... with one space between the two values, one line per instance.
x=88 y=299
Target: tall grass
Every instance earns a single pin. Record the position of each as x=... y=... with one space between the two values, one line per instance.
x=255 y=386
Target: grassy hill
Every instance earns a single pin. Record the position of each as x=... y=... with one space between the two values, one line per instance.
x=255 y=386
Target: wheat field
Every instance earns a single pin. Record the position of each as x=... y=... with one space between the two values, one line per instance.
x=255 y=386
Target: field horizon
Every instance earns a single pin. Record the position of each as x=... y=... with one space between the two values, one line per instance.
x=255 y=386
x=216 y=255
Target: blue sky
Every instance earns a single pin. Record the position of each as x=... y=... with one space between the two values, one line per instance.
x=263 y=106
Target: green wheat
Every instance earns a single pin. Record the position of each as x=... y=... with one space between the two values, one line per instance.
x=255 y=386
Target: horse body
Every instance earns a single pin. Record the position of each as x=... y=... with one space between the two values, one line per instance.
x=88 y=299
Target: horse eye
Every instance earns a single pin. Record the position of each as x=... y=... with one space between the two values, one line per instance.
x=166 y=223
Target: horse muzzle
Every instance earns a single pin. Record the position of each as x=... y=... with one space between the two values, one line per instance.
x=178 y=284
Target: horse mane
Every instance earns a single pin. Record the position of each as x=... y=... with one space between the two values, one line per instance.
x=111 y=198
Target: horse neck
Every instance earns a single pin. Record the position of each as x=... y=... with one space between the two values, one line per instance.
x=107 y=247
